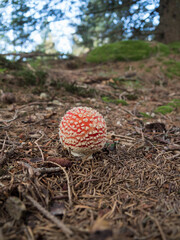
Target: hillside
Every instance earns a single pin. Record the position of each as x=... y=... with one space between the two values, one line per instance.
x=130 y=189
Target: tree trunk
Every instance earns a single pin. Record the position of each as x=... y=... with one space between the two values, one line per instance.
x=168 y=29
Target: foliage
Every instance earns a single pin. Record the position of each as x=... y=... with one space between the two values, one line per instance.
x=106 y=21
x=27 y=16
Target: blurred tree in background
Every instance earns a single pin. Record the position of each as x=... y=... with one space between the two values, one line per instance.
x=105 y=21
x=99 y=21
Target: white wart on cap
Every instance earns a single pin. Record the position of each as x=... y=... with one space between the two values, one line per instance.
x=83 y=131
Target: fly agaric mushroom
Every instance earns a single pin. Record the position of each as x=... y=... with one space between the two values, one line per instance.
x=83 y=131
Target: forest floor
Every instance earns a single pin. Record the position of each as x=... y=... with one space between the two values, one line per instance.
x=129 y=190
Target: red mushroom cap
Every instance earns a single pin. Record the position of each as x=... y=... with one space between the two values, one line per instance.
x=83 y=130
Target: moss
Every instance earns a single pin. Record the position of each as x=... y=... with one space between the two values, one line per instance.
x=2 y=70
x=31 y=78
x=145 y=115
x=174 y=103
x=115 y=101
x=127 y=51
x=164 y=109
x=161 y=49
x=120 y=51
x=173 y=68
x=169 y=107
x=26 y=77
x=175 y=47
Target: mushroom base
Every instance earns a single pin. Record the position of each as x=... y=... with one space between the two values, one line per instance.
x=89 y=156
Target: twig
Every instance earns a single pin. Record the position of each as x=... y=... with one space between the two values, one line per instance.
x=67 y=178
x=110 y=135
x=173 y=157
x=10 y=120
x=36 y=142
x=47 y=214
x=2 y=158
x=39 y=170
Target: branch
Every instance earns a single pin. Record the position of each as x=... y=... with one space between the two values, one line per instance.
x=34 y=54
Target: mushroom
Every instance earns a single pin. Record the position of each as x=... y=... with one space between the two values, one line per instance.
x=83 y=131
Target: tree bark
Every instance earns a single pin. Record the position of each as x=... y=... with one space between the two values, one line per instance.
x=168 y=29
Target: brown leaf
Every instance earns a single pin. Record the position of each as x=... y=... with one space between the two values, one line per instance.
x=64 y=162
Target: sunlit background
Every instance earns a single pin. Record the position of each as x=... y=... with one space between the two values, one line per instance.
x=61 y=32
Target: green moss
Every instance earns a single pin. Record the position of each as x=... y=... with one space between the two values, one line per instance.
x=145 y=115
x=174 y=103
x=175 y=47
x=173 y=68
x=120 y=51
x=127 y=50
x=2 y=70
x=119 y=81
x=115 y=101
x=164 y=109
x=169 y=107
x=26 y=77
x=31 y=78
x=161 y=49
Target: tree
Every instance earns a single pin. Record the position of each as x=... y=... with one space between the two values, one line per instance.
x=168 y=29
x=26 y=16
x=112 y=20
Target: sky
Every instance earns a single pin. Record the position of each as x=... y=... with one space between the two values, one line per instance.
x=61 y=31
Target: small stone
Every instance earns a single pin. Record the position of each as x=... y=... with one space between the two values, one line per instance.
x=56 y=102
x=43 y=96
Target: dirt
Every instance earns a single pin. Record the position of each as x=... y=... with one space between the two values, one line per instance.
x=129 y=190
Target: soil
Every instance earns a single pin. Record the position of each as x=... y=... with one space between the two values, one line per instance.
x=129 y=190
